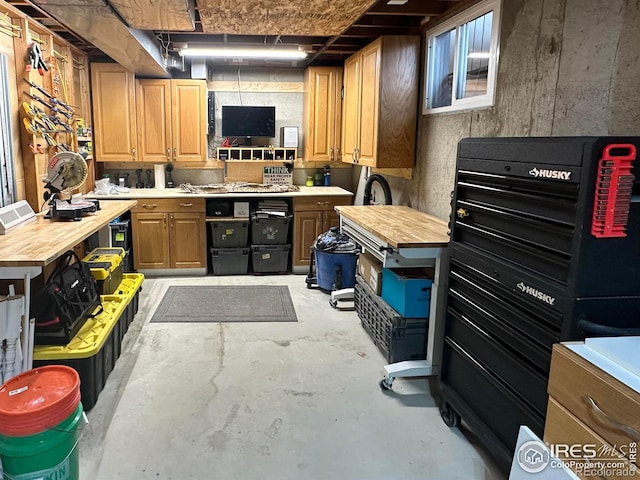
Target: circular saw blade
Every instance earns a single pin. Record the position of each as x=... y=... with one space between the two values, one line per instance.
x=66 y=171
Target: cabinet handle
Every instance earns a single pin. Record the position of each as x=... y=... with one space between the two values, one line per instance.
x=175 y=153
x=323 y=203
x=171 y=218
x=133 y=154
x=168 y=154
x=353 y=155
x=149 y=205
x=331 y=154
x=630 y=431
x=186 y=204
x=164 y=219
x=358 y=155
x=338 y=153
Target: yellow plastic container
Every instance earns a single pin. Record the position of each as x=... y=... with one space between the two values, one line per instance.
x=106 y=267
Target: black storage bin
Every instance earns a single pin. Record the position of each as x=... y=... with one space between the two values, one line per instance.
x=270 y=258
x=230 y=261
x=270 y=230
x=398 y=338
x=229 y=233
x=120 y=234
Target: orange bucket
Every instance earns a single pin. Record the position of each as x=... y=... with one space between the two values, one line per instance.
x=38 y=399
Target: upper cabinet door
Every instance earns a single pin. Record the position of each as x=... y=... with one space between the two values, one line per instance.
x=189 y=120
x=322 y=113
x=114 y=113
x=369 y=102
x=351 y=108
x=153 y=107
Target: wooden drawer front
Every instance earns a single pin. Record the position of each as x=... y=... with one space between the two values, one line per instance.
x=151 y=205
x=603 y=403
x=311 y=204
x=563 y=428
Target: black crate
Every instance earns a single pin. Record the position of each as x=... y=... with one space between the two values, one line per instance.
x=270 y=258
x=270 y=230
x=120 y=234
x=230 y=261
x=398 y=338
x=229 y=233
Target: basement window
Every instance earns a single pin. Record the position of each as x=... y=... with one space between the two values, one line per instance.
x=462 y=60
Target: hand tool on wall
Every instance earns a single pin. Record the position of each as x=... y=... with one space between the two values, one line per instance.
x=51 y=98
x=67 y=114
x=35 y=60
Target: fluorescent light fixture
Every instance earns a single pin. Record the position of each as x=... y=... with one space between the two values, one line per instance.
x=479 y=55
x=396 y=2
x=244 y=52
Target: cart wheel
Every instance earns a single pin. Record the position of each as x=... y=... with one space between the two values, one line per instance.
x=385 y=384
x=450 y=417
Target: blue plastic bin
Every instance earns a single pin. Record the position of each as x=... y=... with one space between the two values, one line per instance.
x=336 y=270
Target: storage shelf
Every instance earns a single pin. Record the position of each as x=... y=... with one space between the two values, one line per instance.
x=256 y=153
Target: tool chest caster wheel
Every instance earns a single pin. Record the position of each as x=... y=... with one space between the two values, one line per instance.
x=450 y=417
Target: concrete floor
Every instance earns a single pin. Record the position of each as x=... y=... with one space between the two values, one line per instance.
x=267 y=400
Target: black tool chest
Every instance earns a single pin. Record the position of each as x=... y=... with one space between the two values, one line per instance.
x=545 y=248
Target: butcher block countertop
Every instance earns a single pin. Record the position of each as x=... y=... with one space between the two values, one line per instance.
x=42 y=241
x=399 y=226
x=177 y=193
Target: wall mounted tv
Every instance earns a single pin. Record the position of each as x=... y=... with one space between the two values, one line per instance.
x=240 y=121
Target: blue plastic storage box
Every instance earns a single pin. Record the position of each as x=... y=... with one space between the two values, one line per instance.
x=407 y=291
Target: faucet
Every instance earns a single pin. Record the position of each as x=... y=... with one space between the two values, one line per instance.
x=385 y=188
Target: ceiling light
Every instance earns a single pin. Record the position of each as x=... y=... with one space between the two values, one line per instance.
x=396 y=2
x=479 y=55
x=244 y=52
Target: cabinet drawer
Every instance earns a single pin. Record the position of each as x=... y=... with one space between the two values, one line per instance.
x=604 y=404
x=563 y=428
x=314 y=204
x=150 y=205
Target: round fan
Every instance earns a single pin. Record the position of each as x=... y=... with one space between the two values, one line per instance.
x=65 y=172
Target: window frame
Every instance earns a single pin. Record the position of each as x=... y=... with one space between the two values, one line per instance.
x=454 y=23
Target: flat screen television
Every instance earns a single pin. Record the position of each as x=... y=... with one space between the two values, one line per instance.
x=240 y=121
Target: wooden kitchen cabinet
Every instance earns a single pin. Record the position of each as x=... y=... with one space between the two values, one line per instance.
x=171 y=120
x=169 y=233
x=114 y=113
x=322 y=114
x=380 y=104
x=313 y=216
x=588 y=406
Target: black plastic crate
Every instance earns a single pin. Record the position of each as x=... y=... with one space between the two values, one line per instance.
x=127 y=262
x=230 y=261
x=270 y=258
x=270 y=230
x=229 y=233
x=398 y=338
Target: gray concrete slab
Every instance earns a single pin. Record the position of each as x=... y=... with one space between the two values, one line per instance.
x=267 y=400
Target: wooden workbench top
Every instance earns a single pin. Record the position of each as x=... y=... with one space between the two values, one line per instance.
x=40 y=242
x=399 y=226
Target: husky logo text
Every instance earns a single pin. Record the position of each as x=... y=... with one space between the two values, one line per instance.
x=536 y=293
x=554 y=174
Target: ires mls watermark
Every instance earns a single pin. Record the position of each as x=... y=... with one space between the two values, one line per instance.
x=586 y=460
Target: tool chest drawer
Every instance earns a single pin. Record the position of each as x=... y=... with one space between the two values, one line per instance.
x=600 y=401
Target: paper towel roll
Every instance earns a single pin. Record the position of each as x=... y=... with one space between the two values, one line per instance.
x=159 y=175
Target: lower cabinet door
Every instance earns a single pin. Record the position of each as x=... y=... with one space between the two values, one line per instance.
x=187 y=240
x=150 y=240
x=307 y=227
